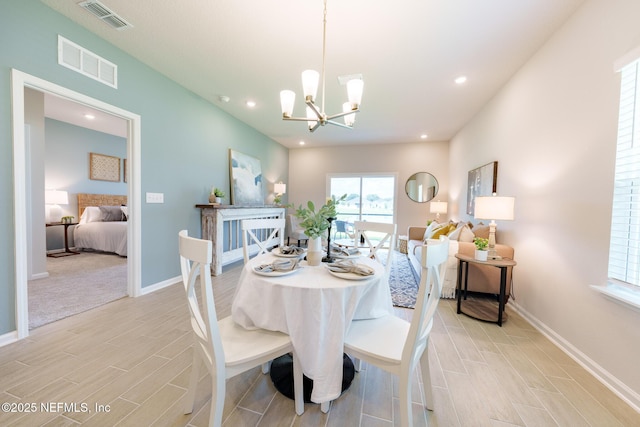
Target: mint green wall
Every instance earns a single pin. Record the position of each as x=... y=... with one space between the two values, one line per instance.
x=185 y=139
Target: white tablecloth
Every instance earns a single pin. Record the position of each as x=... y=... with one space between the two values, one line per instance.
x=315 y=309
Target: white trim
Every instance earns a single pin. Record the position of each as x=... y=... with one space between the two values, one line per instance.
x=621 y=294
x=619 y=388
x=160 y=285
x=19 y=81
x=8 y=338
x=626 y=59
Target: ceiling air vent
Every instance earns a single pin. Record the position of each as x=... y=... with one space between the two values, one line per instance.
x=105 y=14
x=85 y=62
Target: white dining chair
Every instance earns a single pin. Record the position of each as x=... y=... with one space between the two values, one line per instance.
x=365 y=230
x=226 y=348
x=395 y=345
x=251 y=235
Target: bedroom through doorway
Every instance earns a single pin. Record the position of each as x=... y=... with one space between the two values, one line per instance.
x=31 y=219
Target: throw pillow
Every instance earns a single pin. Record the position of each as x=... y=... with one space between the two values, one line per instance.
x=466 y=235
x=441 y=231
x=111 y=213
x=429 y=230
x=481 y=231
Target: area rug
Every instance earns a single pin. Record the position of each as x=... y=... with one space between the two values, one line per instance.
x=402 y=282
x=76 y=284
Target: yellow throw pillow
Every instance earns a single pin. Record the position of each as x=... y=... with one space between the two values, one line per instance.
x=443 y=231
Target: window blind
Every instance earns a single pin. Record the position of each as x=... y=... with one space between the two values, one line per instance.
x=624 y=251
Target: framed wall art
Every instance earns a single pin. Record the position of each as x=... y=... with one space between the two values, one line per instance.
x=246 y=180
x=104 y=168
x=481 y=182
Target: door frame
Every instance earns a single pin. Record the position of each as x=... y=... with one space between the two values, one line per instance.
x=20 y=81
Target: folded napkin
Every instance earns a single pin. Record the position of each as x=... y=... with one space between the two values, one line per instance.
x=279 y=265
x=342 y=251
x=291 y=250
x=349 y=266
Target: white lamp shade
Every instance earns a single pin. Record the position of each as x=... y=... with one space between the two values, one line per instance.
x=354 y=90
x=313 y=116
x=287 y=99
x=310 y=80
x=349 y=119
x=438 y=207
x=279 y=188
x=494 y=207
x=55 y=197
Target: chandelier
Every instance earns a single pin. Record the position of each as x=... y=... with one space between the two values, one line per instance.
x=316 y=116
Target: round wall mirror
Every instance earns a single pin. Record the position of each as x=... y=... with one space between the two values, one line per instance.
x=421 y=187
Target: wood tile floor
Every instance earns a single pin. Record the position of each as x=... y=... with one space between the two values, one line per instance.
x=127 y=364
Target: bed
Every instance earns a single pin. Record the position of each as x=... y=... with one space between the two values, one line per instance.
x=103 y=223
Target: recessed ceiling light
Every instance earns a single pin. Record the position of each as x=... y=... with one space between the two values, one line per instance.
x=424 y=136
x=224 y=98
x=461 y=80
x=301 y=143
x=251 y=104
x=89 y=116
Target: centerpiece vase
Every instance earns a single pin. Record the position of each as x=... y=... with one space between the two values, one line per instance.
x=314 y=251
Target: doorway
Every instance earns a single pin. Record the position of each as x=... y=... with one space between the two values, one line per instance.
x=20 y=81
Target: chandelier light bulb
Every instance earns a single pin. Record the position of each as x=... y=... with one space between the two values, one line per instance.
x=310 y=80
x=354 y=90
x=349 y=119
x=287 y=100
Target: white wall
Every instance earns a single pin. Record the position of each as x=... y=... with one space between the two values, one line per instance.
x=553 y=131
x=309 y=166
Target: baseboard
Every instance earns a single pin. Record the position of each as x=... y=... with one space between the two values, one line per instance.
x=8 y=338
x=605 y=377
x=160 y=285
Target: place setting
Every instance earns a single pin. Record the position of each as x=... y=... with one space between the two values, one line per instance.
x=289 y=251
x=350 y=270
x=281 y=267
x=343 y=252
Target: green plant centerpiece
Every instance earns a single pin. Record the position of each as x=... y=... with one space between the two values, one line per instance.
x=315 y=223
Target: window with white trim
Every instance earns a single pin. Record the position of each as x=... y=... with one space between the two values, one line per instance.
x=624 y=250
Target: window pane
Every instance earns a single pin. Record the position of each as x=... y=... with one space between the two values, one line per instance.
x=377 y=199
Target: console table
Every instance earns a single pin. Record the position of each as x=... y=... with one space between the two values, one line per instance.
x=221 y=225
x=475 y=311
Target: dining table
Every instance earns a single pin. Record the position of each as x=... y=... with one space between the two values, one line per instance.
x=315 y=307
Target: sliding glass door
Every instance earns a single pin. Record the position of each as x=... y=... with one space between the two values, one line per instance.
x=369 y=197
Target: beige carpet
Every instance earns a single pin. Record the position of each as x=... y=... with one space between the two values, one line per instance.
x=75 y=284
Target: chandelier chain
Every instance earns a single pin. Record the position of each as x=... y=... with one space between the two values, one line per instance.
x=324 y=49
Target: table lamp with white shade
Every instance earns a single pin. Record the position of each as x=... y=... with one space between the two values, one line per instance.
x=438 y=208
x=55 y=198
x=494 y=208
x=279 y=188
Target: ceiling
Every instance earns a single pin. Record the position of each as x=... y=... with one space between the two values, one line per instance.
x=408 y=51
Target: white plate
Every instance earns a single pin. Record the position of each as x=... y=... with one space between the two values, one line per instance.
x=350 y=276
x=277 y=252
x=275 y=273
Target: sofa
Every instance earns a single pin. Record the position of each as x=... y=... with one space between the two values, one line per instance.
x=482 y=278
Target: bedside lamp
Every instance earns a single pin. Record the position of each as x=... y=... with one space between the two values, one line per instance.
x=494 y=208
x=279 y=188
x=55 y=198
x=438 y=208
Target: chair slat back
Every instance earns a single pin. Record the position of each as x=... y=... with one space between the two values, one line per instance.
x=363 y=229
x=195 y=261
x=251 y=236
x=434 y=259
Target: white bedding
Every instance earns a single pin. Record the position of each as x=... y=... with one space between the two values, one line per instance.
x=102 y=236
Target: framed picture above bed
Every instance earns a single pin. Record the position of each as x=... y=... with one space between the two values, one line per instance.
x=481 y=182
x=246 y=180
x=104 y=168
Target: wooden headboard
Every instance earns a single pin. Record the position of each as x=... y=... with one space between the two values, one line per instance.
x=85 y=200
